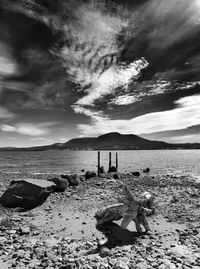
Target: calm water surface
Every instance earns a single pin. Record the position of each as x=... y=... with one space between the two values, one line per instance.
x=160 y=161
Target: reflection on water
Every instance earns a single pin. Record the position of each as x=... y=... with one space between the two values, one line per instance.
x=160 y=161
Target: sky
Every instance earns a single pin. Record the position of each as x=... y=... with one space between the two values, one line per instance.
x=82 y=68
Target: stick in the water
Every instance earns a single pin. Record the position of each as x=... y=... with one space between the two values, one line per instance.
x=110 y=162
x=117 y=161
x=98 y=165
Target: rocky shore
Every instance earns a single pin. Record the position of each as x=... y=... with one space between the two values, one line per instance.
x=62 y=234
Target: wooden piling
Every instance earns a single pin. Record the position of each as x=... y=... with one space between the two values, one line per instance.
x=98 y=163
x=117 y=161
x=110 y=160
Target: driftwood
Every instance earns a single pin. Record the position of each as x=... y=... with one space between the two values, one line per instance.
x=129 y=209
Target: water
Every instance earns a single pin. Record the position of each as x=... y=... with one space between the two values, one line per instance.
x=159 y=161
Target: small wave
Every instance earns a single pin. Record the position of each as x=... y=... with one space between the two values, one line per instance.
x=6 y=172
x=9 y=165
x=42 y=173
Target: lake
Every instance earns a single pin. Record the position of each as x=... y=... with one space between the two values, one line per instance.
x=159 y=161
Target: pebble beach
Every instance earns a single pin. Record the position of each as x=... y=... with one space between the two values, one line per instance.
x=62 y=233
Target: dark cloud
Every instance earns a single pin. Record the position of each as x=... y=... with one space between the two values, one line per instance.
x=20 y=32
x=167 y=34
x=149 y=103
x=88 y=54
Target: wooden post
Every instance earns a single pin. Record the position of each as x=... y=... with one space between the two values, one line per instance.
x=98 y=164
x=110 y=160
x=117 y=161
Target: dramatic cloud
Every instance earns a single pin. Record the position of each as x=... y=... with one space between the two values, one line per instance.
x=98 y=66
x=186 y=114
x=111 y=79
x=124 y=100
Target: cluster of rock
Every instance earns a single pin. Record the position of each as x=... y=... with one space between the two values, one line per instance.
x=137 y=174
x=30 y=193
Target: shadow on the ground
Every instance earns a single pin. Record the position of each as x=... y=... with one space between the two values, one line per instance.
x=116 y=236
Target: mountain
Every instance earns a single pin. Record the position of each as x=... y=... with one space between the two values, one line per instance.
x=110 y=141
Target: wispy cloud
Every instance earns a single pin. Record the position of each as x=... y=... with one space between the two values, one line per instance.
x=124 y=100
x=140 y=91
x=63 y=139
x=95 y=115
x=27 y=128
x=111 y=79
x=91 y=55
x=99 y=57
x=184 y=115
x=40 y=139
x=12 y=138
x=5 y=114
x=7 y=64
x=192 y=138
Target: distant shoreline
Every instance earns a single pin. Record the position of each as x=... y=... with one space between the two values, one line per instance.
x=110 y=141
x=42 y=150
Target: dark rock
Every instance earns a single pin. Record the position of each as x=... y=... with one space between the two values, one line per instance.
x=82 y=178
x=136 y=174
x=27 y=193
x=174 y=199
x=112 y=169
x=147 y=170
x=116 y=176
x=73 y=180
x=61 y=184
x=89 y=174
x=102 y=171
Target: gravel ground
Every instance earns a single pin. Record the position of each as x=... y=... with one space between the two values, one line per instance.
x=62 y=233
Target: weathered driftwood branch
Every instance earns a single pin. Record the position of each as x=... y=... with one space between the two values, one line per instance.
x=129 y=209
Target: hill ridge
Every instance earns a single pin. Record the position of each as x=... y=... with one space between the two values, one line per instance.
x=109 y=141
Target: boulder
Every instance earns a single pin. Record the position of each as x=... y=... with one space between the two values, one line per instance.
x=90 y=174
x=147 y=170
x=26 y=193
x=116 y=176
x=73 y=179
x=102 y=171
x=136 y=174
x=112 y=169
x=61 y=184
